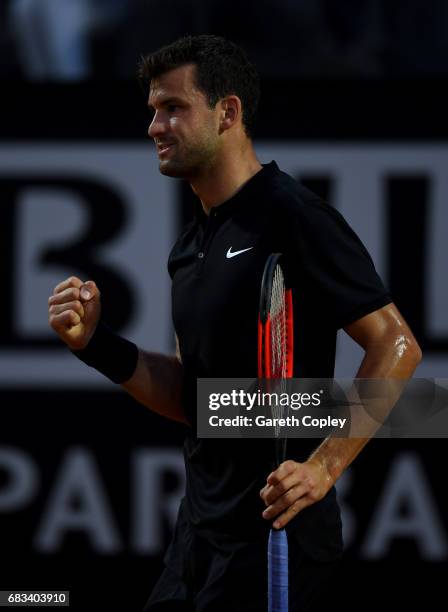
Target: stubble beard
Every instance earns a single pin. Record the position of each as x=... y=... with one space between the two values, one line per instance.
x=189 y=163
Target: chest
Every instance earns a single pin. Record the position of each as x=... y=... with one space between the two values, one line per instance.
x=222 y=264
x=216 y=285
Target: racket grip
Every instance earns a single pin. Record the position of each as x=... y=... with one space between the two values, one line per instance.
x=277 y=571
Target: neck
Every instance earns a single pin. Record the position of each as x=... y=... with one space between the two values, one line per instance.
x=231 y=170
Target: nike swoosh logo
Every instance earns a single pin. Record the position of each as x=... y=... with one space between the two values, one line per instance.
x=231 y=254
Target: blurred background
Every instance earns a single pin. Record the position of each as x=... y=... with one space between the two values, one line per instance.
x=354 y=105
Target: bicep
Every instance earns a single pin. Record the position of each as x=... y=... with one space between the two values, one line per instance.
x=391 y=351
x=384 y=324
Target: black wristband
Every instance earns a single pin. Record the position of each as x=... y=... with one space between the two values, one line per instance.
x=110 y=354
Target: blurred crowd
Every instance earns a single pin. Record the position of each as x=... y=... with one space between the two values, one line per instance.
x=83 y=39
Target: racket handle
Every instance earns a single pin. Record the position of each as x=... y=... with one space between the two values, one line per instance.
x=277 y=571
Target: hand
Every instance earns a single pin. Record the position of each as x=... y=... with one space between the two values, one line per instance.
x=292 y=487
x=74 y=311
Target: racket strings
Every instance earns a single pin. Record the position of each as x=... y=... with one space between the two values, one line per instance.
x=278 y=330
x=278 y=325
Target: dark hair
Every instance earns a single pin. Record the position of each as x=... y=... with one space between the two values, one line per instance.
x=222 y=68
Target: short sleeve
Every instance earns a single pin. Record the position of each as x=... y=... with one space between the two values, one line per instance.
x=330 y=263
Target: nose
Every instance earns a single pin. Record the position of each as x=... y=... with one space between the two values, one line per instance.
x=157 y=126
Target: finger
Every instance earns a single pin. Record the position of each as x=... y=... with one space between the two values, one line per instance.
x=71 y=294
x=264 y=491
x=271 y=493
x=286 y=468
x=64 y=321
x=72 y=281
x=89 y=290
x=285 y=501
x=291 y=512
x=76 y=306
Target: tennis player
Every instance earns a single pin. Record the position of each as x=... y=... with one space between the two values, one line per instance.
x=203 y=93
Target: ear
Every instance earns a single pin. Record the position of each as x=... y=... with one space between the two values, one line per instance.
x=231 y=112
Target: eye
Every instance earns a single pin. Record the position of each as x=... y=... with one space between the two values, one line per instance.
x=171 y=108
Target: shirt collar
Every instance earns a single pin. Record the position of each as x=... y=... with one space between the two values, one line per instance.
x=254 y=184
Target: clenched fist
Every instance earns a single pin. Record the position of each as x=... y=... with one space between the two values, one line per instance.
x=74 y=311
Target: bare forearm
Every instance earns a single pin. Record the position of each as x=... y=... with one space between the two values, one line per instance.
x=391 y=353
x=389 y=360
x=157 y=384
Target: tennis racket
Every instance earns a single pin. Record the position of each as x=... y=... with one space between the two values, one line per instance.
x=275 y=361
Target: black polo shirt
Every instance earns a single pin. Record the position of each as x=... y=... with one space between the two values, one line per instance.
x=216 y=268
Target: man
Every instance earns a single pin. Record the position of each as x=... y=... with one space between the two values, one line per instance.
x=204 y=94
